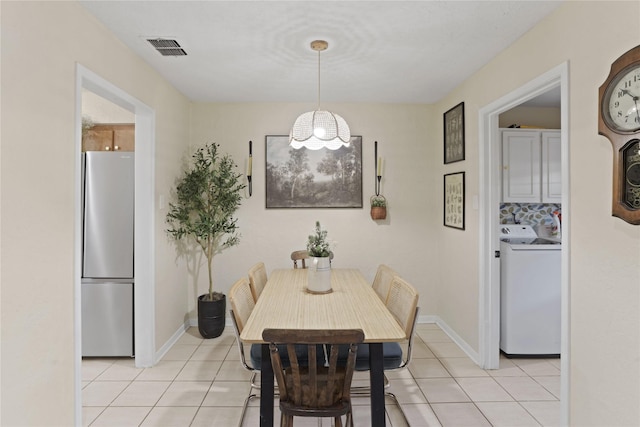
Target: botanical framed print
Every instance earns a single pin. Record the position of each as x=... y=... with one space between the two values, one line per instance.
x=454 y=200
x=454 y=134
x=303 y=178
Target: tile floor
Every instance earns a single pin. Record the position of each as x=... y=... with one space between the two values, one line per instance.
x=201 y=383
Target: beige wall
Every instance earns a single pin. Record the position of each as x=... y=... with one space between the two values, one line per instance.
x=604 y=251
x=38 y=227
x=403 y=240
x=41 y=44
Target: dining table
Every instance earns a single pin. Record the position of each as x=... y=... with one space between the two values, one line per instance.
x=286 y=303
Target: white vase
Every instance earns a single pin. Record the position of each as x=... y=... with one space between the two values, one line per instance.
x=319 y=275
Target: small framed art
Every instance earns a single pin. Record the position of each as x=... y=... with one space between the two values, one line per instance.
x=454 y=200
x=454 y=134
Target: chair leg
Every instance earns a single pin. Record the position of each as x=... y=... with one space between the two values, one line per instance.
x=395 y=399
x=338 y=421
x=244 y=407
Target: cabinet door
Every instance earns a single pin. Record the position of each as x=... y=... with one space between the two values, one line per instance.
x=109 y=137
x=521 y=166
x=123 y=138
x=97 y=139
x=551 y=168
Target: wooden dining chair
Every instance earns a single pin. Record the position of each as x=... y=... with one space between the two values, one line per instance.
x=301 y=256
x=382 y=281
x=315 y=389
x=257 y=279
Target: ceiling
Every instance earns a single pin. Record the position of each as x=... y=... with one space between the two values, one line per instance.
x=379 y=51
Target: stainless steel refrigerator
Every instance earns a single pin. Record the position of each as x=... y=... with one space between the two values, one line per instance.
x=107 y=252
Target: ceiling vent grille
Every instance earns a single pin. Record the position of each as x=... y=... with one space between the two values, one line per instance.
x=167 y=47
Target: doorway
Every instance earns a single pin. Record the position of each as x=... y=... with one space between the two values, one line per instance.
x=490 y=196
x=144 y=252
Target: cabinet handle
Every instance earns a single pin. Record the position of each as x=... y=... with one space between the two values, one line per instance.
x=107 y=148
x=116 y=147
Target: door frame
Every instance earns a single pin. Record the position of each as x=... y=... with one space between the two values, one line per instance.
x=144 y=224
x=490 y=190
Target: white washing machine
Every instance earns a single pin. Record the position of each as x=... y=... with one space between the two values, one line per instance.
x=529 y=292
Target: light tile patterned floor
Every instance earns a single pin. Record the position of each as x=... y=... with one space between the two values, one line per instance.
x=200 y=383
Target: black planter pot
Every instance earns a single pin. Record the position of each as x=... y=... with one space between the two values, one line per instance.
x=211 y=316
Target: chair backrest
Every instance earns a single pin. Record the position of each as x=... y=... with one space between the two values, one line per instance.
x=303 y=256
x=242 y=301
x=299 y=256
x=402 y=302
x=315 y=386
x=382 y=281
x=257 y=279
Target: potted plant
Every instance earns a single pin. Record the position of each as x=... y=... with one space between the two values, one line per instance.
x=319 y=275
x=207 y=196
x=378 y=207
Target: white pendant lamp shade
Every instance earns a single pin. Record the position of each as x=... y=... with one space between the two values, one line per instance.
x=319 y=129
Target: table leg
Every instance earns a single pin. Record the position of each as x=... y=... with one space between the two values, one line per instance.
x=266 y=388
x=376 y=374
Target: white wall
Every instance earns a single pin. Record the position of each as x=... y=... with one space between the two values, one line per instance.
x=41 y=44
x=604 y=251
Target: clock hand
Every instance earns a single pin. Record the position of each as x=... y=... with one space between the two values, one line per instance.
x=627 y=92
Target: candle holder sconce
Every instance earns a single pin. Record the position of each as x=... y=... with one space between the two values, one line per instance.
x=378 y=163
x=250 y=168
x=378 y=202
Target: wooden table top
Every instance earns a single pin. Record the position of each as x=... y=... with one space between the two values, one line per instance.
x=353 y=304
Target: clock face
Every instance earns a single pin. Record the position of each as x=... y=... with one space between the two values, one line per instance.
x=622 y=101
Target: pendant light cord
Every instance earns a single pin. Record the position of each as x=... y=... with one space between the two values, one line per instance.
x=318 y=81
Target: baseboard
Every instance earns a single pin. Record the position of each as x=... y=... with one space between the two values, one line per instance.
x=172 y=340
x=464 y=346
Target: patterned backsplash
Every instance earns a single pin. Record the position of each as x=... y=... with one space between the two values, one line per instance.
x=528 y=213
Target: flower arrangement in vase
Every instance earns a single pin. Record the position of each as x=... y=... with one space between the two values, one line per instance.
x=319 y=275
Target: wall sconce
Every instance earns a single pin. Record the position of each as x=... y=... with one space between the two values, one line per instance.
x=378 y=161
x=250 y=167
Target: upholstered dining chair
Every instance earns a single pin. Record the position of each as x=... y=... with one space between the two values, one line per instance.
x=402 y=302
x=317 y=389
x=242 y=303
x=257 y=279
x=382 y=281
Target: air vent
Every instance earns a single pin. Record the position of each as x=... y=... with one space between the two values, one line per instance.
x=167 y=47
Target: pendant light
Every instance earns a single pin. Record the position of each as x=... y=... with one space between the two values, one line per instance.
x=319 y=129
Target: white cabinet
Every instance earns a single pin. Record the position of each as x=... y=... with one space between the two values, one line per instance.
x=531 y=166
x=551 y=167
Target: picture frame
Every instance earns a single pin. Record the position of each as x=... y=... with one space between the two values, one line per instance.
x=454 y=203
x=303 y=178
x=454 y=134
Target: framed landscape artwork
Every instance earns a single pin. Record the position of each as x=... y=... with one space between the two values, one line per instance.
x=454 y=134
x=454 y=200
x=306 y=178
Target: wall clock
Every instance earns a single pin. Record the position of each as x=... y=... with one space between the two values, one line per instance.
x=619 y=121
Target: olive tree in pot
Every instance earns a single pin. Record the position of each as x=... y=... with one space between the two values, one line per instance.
x=206 y=198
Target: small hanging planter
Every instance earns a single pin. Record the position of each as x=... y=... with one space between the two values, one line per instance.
x=378 y=207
